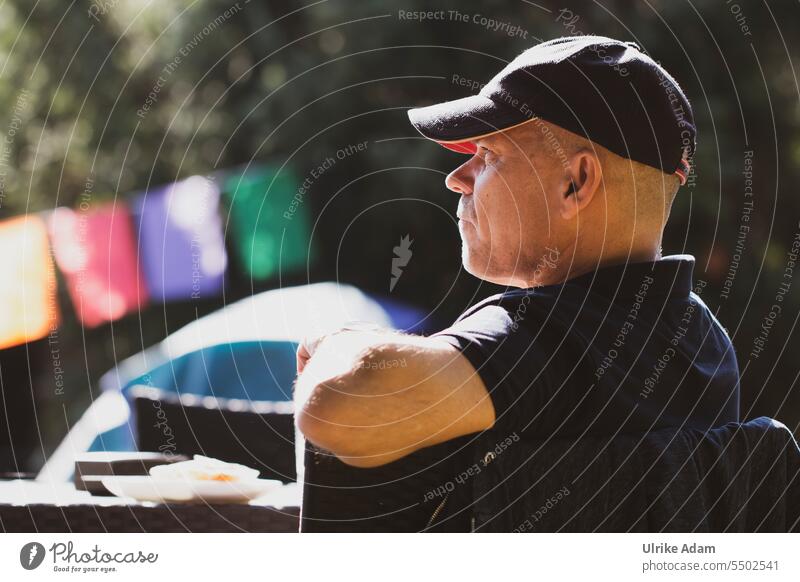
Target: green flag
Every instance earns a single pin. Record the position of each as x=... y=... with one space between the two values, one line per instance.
x=269 y=221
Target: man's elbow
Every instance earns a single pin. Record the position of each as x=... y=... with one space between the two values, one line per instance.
x=333 y=422
x=319 y=430
x=350 y=444
x=344 y=415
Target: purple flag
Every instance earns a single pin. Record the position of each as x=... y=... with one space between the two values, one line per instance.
x=182 y=248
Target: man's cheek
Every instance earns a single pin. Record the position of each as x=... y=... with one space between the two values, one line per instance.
x=492 y=228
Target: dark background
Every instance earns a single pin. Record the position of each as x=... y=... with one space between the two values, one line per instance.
x=285 y=82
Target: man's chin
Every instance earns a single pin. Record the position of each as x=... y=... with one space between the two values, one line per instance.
x=477 y=267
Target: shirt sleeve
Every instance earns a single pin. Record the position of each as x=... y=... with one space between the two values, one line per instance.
x=508 y=359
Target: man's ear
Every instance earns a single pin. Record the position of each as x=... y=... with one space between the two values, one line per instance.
x=582 y=180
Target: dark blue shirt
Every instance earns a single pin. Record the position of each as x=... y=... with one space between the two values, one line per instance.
x=626 y=348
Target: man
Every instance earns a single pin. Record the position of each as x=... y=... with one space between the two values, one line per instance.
x=578 y=148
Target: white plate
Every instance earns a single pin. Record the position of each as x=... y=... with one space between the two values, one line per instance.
x=146 y=488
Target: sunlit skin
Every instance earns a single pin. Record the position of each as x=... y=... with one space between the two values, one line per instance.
x=538 y=205
x=516 y=208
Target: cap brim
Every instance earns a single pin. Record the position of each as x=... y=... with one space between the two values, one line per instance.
x=455 y=124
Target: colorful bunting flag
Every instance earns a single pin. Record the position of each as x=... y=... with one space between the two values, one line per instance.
x=95 y=250
x=269 y=222
x=181 y=245
x=28 y=284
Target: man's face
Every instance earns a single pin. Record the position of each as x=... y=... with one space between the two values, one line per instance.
x=508 y=212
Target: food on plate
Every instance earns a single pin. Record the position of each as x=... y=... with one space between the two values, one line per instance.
x=202 y=468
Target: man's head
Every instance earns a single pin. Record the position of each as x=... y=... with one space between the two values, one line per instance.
x=541 y=202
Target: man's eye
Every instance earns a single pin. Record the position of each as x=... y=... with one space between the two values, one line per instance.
x=486 y=155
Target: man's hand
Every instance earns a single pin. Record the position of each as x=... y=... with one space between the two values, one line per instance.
x=306 y=350
x=310 y=344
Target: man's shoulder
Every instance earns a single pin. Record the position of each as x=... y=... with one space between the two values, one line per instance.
x=698 y=303
x=509 y=301
x=504 y=315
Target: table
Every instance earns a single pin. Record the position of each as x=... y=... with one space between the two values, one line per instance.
x=33 y=506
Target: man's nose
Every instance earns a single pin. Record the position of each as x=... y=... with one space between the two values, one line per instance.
x=460 y=180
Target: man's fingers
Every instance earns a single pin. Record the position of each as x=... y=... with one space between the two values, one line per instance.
x=302 y=357
x=306 y=349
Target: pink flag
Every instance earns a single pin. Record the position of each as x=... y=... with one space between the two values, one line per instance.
x=96 y=251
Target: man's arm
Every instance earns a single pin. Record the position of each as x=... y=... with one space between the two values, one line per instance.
x=373 y=397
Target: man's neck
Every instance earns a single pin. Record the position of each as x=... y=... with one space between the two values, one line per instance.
x=570 y=267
